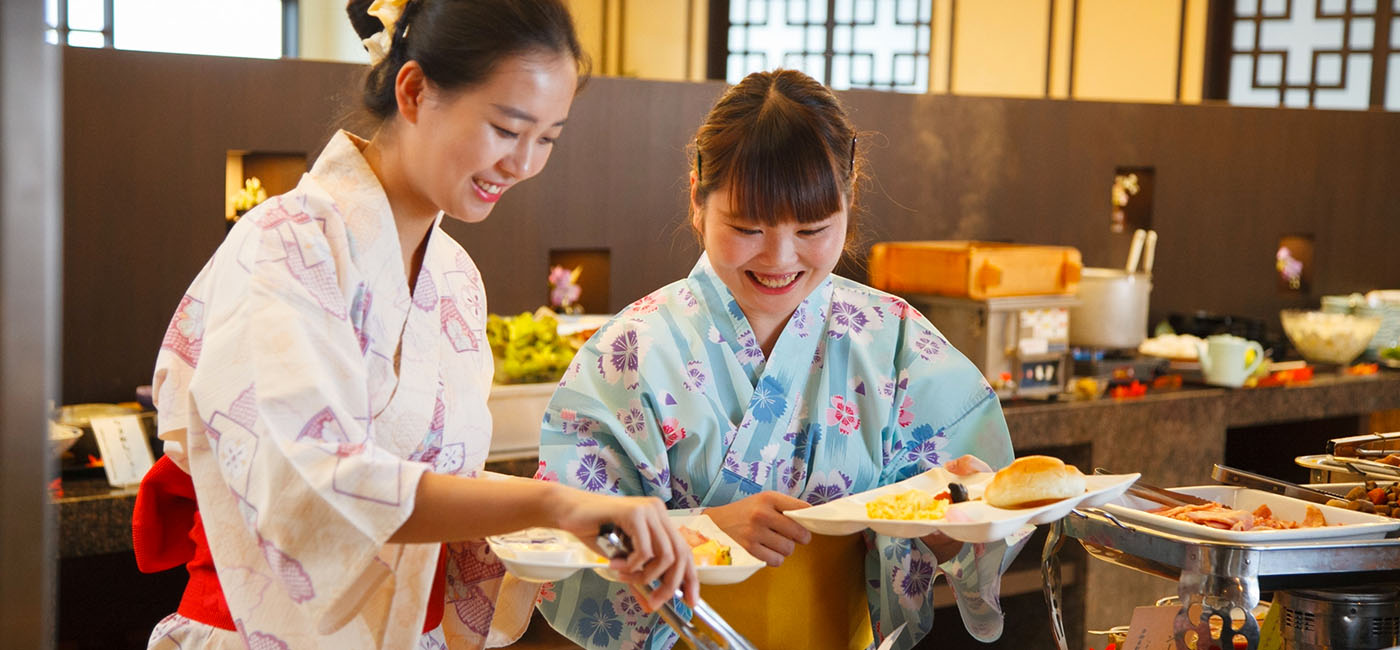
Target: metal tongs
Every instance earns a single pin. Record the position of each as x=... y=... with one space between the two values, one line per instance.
x=714 y=633
x=1374 y=445
x=1149 y=492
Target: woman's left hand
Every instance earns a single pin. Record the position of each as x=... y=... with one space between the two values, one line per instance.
x=944 y=547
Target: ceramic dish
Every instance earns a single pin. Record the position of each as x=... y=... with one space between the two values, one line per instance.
x=971 y=521
x=545 y=554
x=1367 y=468
x=1342 y=523
x=62 y=437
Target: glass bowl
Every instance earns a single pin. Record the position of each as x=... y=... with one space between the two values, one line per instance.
x=1328 y=338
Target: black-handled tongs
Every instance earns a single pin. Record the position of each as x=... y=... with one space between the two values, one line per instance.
x=716 y=633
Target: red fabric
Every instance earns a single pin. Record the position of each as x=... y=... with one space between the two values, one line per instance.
x=437 y=598
x=167 y=531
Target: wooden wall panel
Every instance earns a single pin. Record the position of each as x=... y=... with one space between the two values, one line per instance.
x=146 y=135
x=1001 y=47
x=145 y=142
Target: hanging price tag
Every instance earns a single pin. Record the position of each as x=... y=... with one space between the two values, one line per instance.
x=125 y=453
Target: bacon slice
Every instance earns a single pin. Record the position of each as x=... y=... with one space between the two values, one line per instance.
x=1218 y=516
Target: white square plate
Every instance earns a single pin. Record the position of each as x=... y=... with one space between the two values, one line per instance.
x=1353 y=524
x=546 y=554
x=971 y=521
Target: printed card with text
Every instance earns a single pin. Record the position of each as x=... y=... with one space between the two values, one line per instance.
x=126 y=455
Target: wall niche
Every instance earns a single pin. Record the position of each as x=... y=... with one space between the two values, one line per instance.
x=277 y=173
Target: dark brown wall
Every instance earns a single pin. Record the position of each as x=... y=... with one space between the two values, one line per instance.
x=146 y=135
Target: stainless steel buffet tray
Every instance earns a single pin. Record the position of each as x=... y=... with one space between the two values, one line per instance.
x=1217 y=577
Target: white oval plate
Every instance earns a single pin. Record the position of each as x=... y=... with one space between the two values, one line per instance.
x=546 y=554
x=1330 y=463
x=1342 y=523
x=971 y=521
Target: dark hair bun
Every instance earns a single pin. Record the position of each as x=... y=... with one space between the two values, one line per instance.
x=459 y=43
x=365 y=25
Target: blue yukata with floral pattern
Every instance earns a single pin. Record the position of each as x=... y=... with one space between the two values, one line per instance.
x=673 y=398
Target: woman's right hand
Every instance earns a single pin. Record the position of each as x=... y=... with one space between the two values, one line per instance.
x=759 y=525
x=659 y=552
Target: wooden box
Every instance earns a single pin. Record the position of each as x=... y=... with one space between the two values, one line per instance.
x=971 y=269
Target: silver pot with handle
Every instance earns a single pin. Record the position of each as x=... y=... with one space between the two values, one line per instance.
x=1112 y=310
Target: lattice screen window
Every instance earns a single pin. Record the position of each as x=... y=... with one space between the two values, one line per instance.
x=1339 y=54
x=881 y=44
x=246 y=28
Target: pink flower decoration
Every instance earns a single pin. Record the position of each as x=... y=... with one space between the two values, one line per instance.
x=545 y=474
x=672 y=432
x=843 y=413
x=564 y=292
x=906 y=417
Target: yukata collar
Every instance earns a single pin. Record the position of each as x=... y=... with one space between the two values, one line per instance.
x=342 y=172
x=809 y=312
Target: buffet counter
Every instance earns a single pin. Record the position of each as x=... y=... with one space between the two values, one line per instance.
x=1173 y=438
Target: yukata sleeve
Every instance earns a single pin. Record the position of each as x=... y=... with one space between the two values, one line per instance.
x=601 y=436
x=281 y=390
x=942 y=409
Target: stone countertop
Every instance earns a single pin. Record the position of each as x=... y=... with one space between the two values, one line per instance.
x=1172 y=437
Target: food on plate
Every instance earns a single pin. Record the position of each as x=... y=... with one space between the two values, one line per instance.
x=1391 y=459
x=1372 y=497
x=708 y=552
x=1328 y=338
x=1219 y=516
x=908 y=506
x=1033 y=480
x=957 y=493
x=1171 y=346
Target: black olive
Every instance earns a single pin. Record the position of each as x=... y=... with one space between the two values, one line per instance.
x=957 y=492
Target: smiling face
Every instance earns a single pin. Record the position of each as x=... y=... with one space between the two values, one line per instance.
x=466 y=148
x=769 y=269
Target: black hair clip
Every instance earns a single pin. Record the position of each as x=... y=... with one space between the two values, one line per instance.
x=853 y=154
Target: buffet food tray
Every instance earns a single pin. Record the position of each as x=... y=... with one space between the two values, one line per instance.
x=1217 y=577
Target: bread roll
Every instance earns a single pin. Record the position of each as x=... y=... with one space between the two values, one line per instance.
x=1033 y=480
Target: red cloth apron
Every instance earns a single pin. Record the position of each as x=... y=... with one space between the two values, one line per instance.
x=167 y=531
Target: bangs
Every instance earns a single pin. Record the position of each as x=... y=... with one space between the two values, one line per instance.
x=785 y=174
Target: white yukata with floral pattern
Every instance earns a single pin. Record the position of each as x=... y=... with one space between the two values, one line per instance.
x=306 y=391
x=673 y=398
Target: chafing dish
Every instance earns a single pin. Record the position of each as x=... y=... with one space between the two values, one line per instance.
x=1215 y=578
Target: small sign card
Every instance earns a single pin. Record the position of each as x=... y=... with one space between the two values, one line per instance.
x=125 y=453
x=1151 y=629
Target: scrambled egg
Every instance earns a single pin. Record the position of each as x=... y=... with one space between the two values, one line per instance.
x=712 y=553
x=910 y=505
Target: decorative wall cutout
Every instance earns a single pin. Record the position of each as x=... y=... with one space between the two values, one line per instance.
x=1293 y=263
x=1132 y=192
x=880 y=44
x=1336 y=54
x=595 y=265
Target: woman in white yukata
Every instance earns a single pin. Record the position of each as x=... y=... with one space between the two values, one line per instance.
x=763 y=383
x=322 y=387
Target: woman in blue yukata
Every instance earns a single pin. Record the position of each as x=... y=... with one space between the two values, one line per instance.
x=763 y=383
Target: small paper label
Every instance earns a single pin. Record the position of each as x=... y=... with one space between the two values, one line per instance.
x=1151 y=629
x=125 y=453
x=1030 y=347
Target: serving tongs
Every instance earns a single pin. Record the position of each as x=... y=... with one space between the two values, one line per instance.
x=1160 y=495
x=714 y=633
x=1372 y=445
x=1232 y=476
x=1356 y=453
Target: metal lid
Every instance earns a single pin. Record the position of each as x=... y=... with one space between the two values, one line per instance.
x=1359 y=594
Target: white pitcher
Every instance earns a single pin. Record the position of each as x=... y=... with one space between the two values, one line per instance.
x=1223 y=359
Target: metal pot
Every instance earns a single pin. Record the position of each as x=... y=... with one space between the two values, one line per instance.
x=1112 y=311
